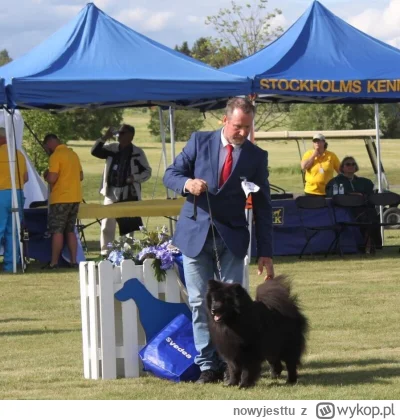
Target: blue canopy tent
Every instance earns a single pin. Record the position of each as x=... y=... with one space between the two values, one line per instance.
x=95 y=60
x=98 y=62
x=321 y=58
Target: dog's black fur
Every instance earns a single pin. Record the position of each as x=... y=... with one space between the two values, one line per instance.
x=246 y=332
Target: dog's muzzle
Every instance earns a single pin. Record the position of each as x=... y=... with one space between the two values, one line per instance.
x=215 y=316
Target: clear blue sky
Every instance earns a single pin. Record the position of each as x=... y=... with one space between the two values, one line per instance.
x=25 y=23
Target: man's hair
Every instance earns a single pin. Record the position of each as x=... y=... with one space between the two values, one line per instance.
x=130 y=128
x=49 y=137
x=239 y=103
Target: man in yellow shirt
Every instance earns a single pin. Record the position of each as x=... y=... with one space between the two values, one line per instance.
x=64 y=177
x=318 y=165
x=21 y=177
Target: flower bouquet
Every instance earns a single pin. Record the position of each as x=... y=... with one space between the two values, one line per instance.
x=154 y=244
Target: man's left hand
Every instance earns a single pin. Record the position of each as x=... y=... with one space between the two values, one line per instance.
x=268 y=264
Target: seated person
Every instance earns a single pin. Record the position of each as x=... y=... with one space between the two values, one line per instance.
x=318 y=165
x=353 y=184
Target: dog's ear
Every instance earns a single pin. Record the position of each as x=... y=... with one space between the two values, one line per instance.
x=239 y=290
x=214 y=284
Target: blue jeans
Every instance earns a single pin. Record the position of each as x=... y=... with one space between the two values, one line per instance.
x=6 y=226
x=198 y=271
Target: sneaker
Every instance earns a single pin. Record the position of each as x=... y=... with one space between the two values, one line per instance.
x=73 y=265
x=48 y=266
x=209 y=376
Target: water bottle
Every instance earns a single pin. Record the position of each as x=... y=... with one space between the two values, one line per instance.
x=341 y=189
x=335 y=189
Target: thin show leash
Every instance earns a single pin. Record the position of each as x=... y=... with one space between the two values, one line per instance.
x=194 y=217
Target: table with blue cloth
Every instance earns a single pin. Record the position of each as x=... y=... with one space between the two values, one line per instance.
x=289 y=237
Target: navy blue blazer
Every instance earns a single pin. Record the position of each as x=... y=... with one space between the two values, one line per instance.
x=199 y=159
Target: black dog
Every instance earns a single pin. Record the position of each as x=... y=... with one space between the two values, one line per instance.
x=246 y=332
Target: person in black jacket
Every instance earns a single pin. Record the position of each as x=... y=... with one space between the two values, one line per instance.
x=353 y=184
x=125 y=170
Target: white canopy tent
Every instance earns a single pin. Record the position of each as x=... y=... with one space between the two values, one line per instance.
x=35 y=189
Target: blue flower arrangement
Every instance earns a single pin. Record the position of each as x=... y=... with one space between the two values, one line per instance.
x=154 y=244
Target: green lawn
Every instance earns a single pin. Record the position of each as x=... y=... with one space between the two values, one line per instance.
x=353 y=348
x=351 y=302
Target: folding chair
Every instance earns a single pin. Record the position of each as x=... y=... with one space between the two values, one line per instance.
x=360 y=211
x=391 y=214
x=318 y=205
x=81 y=230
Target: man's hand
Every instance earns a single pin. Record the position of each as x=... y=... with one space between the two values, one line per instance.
x=108 y=134
x=196 y=186
x=317 y=153
x=268 y=264
x=130 y=179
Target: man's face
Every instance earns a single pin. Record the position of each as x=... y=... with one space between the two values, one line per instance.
x=125 y=137
x=50 y=146
x=237 y=126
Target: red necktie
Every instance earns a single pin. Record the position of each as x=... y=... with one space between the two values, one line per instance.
x=227 y=167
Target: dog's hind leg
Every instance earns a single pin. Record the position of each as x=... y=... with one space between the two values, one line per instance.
x=275 y=369
x=291 y=366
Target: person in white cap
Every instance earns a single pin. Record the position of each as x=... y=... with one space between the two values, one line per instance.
x=318 y=165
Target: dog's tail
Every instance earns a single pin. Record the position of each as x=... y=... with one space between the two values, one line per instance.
x=276 y=295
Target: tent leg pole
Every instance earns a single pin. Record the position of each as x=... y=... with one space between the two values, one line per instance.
x=164 y=154
x=172 y=136
x=378 y=156
x=12 y=159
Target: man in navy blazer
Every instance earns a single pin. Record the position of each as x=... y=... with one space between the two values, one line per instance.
x=196 y=174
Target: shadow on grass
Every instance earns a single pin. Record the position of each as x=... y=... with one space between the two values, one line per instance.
x=340 y=377
x=346 y=363
x=37 y=332
x=346 y=378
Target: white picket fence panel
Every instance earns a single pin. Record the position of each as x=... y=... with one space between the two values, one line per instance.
x=112 y=334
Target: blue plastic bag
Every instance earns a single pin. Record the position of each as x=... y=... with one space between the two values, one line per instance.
x=170 y=354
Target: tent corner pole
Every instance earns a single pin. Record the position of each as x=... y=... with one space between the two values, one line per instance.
x=164 y=154
x=172 y=137
x=16 y=222
x=378 y=156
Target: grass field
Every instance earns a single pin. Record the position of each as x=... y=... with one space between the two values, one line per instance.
x=351 y=302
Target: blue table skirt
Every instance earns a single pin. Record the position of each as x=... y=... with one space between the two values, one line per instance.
x=39 y=244
x=289 y=237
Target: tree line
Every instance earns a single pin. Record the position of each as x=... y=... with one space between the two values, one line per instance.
x=241 y=30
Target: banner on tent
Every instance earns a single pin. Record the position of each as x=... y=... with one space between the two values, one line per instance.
x=355 y=87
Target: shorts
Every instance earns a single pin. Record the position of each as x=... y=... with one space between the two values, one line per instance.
x=62 y=217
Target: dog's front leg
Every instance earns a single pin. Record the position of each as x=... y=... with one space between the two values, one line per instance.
x=232 y=375
x=249 y=376
x=276 y=369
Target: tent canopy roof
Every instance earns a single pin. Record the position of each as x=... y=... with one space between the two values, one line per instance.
x=322 y=56
x=96 y=60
